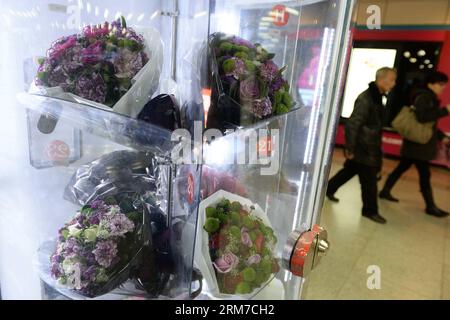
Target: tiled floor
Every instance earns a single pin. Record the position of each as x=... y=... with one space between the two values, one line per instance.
x=412 y=250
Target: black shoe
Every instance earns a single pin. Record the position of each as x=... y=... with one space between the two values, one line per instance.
x=375 y=217
x=387 y=196
x=436 y=212
x=331 y=197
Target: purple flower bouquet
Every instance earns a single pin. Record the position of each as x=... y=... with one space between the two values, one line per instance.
x=98 y=248
x=108 y=66
x=247 y=85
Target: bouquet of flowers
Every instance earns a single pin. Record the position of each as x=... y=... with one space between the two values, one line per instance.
x=101 y=65
x=241 y=247
x=248 y=81
x=97 y=246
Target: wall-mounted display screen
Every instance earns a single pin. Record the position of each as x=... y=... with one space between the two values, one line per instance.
x=364 y=63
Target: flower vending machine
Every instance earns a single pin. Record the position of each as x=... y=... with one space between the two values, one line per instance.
x=166 y=149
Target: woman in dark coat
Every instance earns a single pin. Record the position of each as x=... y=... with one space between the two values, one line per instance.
x=427 y=109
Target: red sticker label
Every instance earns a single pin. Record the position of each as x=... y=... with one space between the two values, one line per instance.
x=57 y=150
x=190 y=188
x=280 y=15
x=265 y=146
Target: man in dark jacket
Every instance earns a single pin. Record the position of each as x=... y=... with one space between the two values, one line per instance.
x=363 y=143
x=427 y=109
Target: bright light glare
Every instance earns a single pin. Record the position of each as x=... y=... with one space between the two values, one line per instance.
x=141 y=17
x=200 y=14
x=216 y=152
x=154 y=15
x=228 y=23
x=292 y=11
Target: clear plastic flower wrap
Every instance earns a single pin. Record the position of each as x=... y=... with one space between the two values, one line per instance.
x=247 y=85
x=110 y=66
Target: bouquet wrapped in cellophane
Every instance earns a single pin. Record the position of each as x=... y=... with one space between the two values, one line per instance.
x=119 y=236
x=247 y=85
x=96 y=245
x=235 y=246
x=107 y=66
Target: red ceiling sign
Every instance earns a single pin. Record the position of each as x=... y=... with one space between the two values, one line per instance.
x=280 y=15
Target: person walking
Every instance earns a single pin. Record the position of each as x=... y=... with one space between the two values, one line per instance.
x=427 y=109
x=363 y=144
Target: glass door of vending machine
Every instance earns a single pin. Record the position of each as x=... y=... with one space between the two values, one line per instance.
x=90 y=103
x=166 y=149
x=274 y=75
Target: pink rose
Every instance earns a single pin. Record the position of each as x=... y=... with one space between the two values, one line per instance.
x=245 y=237
x=226 y=263
x=254 y=259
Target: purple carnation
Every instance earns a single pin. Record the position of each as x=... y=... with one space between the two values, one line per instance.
x=58 y=77
x=269 y=71
x=99 y=205
x=238 y=68
x=88 y=276
x=91 y=88
x=119 y=225
x=249 y=89
x=277 y=84
x=262 y=107
x=71 y=247
x=127 y=63
x=242 y=42
x=105 y=252
x=133 y=35
x=92 y=54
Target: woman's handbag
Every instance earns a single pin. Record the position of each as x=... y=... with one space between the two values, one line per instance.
x=406 y=124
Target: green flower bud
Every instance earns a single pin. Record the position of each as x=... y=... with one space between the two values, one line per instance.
x=241 y=55
x=266 y=266
x=235 y=231
x=226 y=46
x=212 y=225
x=282 y=108
x=287 y=99
x=65 y=233
x=243 y=288
x=249 y=274
x=235 y=217
x=228 y=66
x=210 y=212
x=242 y=49
x=223 y=217
x=261 y=277
x=248 y=222
x=236 y=206
x=74 y=231
x=90 y=234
